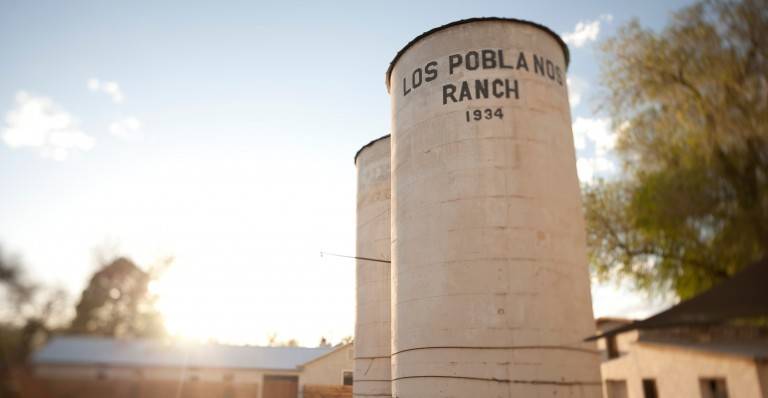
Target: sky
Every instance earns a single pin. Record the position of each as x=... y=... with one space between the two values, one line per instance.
x=223 y=134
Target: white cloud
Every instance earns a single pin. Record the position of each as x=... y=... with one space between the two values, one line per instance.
x=110 y=88
x=127 y=129
x=589 y=167
x=598 y=134
x=38 y=122
x=585 y=31
x=576 y=88
x=93 y=84
x=623 y=300
x=597 y=130
x=585 y=170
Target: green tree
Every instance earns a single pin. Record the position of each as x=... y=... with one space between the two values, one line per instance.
x=272 y=341
x=690 y=107
x=117 y=303
x=17 y=290
x=26 y=320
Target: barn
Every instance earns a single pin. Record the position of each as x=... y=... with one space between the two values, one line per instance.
x=87 y=366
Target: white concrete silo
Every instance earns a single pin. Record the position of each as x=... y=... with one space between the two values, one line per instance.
x=372 y=326
x=490 y=287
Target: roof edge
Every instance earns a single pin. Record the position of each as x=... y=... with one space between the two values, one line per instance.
x=614 y=319
x=128 y=364
x=301 y=366
x=418 y=38
x=369 y=144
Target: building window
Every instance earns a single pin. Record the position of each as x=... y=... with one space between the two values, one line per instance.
x=346 y=377
x=713 y=388
x=612 y=347
x=616 y=388
x=649 y=388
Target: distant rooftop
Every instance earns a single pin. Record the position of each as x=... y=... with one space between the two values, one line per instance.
x=88 y=350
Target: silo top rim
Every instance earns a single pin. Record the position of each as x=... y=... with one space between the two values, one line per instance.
x=368 y=145
x=469 y=20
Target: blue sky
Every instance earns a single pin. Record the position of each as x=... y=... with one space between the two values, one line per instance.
x=223 y=133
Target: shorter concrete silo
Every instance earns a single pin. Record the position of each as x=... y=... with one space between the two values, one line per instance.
x=372 y=326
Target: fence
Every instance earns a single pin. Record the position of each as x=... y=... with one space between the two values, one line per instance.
x=320 y=391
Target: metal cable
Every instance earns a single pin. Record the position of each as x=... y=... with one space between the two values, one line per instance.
x=522 y=347
x=355 y=257
x=493 y=379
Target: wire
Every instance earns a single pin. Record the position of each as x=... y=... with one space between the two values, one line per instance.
x=355 y=257
x=521 y=347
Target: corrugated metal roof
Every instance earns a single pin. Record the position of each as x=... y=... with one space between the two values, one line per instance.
x=90 y=350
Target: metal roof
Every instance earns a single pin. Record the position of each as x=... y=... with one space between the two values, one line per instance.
x=744 y=295
x=88 y=350
x=368 y=145
x=549 y=31
x=333 y=350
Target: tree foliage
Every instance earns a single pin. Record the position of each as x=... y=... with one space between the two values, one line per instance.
x=34 y=310
x=273 y=341
x=17 y=290
x=690 y=106
x=117 y=303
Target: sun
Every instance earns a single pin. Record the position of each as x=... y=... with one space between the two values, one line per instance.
x=193 y=309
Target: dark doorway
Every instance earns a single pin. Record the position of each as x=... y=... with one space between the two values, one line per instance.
x=649 y=388
x=281 y=386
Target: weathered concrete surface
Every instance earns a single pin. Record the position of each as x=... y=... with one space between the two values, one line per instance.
x=678 y=371
x=372 y=327
x=490 y=287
